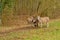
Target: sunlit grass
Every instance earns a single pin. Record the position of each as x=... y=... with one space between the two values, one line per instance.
x=50 y=33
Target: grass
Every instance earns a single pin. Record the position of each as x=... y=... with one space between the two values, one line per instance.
x=50 y=33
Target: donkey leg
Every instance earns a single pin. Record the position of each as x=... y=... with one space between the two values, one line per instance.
x=41 y=24
x=47 y=24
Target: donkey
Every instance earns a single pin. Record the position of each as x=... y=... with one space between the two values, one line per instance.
x=33 y=20
x=43 y=20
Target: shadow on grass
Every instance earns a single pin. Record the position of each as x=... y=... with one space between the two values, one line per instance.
x=20 y=29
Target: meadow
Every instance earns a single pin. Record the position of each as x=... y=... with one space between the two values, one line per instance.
x=15 y=12
x=30 y=33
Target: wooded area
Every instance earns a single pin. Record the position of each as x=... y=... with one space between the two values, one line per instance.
x=14 y=10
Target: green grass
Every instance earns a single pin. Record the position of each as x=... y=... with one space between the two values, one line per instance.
x=50 y=33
